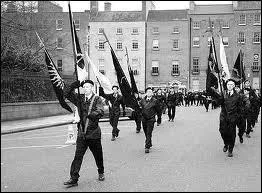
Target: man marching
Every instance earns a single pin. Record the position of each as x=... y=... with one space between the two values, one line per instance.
x=89 y=136
x=114 y=109
x=161 y=100
x=150 y=108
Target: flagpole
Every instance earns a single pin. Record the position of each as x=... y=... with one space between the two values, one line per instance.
x=75 y=61
x=241 y=82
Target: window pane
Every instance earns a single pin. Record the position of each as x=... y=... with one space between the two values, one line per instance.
x=77 y=24
x=100 y=30
x=59 y=24
x=59 y=65
x=175 y=44
x=135 y=44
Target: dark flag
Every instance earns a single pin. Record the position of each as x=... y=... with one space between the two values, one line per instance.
x=238 y=71
x=212 y=69
x=57 y=81
x=128 y=96
x=132 y=79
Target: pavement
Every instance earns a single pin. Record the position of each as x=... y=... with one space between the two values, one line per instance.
x=8 y=127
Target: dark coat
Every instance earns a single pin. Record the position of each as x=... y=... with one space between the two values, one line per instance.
x=93 y=130
x=172 y=100
x=161 y=99
x=149 y=109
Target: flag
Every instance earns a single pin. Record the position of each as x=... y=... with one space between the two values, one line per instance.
x=238 y=71
x=211 y=79
x=131 y=74
x=225 y=71
x=128 y=96
x=102 y=79
x=57 y=81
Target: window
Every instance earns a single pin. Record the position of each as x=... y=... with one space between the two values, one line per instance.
x=59 y=43
x=208 y=41
x=100 y=30
x=195 y=41
x=196 y=25
x=155 y=30
x=255 y=66
x=225 y=41
x=119 y=45
x=135 y=45
x=175 y=44
x=155 y=68
x=77 y=24
x=59 y=24
x=257 y=19
x=155 y=45
x=101 y=66
x=225 y=25
x=135 y=31
x=175 y=30
x=175 y=68
x=212 y=24
x=242 y=19
x=119 y=31
x=256 y=38
x=101 y=45
x=135 y=66
x=59 y=65
x=241 y=38
x=195 y=66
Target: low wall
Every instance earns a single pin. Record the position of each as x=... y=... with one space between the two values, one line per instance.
x=16 y=111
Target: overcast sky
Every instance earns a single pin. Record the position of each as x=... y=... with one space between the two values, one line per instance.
x=80 y=6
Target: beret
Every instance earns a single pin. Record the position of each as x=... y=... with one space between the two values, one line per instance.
x=115 y=86
x=87 y=81
x=149 y=88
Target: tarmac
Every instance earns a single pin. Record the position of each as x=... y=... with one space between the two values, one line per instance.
x=9 y=127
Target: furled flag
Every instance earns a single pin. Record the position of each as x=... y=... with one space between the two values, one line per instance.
x=103 y=80
x=225 y=71
x=132 y=79
x=238 y=71
x=57 y=81
x=211 y=79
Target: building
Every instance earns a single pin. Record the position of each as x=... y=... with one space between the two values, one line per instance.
x=167 y=48
x=124 y=30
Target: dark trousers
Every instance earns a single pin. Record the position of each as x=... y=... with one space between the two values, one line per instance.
x=148 y=129
x=241 y=124
x=171 y=112
x=95 y=147
x=138 y=120
x=229 y=137
x=249 y=124
x=113 y=119
x=206 y=106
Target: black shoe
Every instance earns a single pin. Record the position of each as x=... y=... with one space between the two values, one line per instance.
x=158 y=124
x=251 y=130
x=241 y=139
x=71 y=183
x=113 y=138
x=230 y=154
x=117 y=133
x=225 y=148
x=101 y=177
x=146 y=150
x=137 y=131
x=247 y=135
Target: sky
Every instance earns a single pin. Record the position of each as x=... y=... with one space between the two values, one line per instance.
x=80 y=6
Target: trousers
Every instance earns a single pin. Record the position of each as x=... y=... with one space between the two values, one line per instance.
x=114 y=117
x=171 y=112
x=148 y=129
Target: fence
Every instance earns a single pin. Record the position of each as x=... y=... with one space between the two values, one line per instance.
x=28 y=87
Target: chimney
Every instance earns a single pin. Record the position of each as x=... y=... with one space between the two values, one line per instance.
x=107 y=6
x=192 y=5
x=235 y=4
x=11 y=8
x=93 y=6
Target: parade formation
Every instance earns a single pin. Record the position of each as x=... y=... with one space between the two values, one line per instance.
x=231 y=92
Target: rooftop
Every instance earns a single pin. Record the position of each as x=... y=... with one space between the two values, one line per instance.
x=166 y=15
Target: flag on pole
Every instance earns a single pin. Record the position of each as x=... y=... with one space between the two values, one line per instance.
x=103 y=80
x=225 y=71
x=132 y=79
x=238 y=71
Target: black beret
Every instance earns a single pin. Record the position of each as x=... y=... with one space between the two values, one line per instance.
x=248 y=89
x=149 y=88
x=231 y=79
x=87 y=81
x=246 y=81
x=115 y=86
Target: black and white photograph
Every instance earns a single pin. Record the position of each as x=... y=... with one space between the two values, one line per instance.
x=130 y=96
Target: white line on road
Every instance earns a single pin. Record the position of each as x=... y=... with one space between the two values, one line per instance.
x=33 y=146
x=33 y=138
x=63 y=146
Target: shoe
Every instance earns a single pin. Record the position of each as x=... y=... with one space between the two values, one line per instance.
x=241 y=139
x=225 y=148
x=251 y=130
x=158 y=124
x=172 y=120
x=247 y=135
x=146 y=150
x=113 y=138
x=230 y=154
x=137 y=131
x=101 y=177
x=71 y=183
x=117 y=133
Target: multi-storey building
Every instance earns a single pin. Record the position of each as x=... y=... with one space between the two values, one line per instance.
x=124 y=30
x=167 y=49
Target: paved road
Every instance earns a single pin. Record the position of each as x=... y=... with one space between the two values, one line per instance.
x=186 y=156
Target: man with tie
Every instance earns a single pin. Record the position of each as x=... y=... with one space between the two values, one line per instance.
x=150 y=108
x=230 y=109
x=115 y=100
x=89 y=134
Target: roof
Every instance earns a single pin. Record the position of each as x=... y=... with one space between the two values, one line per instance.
x=166 y=15
x=213 y=9
x=117 y=16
